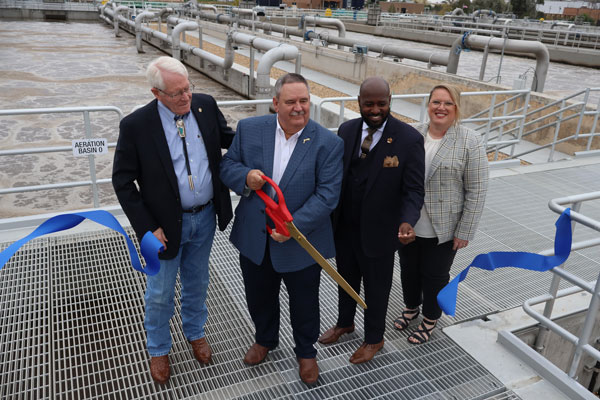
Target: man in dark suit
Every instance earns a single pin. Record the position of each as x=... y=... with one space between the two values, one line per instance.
x=171 y=148
x=305 y=160
x=381 y=199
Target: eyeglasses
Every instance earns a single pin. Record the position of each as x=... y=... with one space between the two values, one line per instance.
x=179 y=94
x=437 y=103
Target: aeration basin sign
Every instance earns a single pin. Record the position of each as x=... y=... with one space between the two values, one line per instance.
x=85 y=147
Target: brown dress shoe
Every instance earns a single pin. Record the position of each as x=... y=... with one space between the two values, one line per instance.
x=332 y=335
x=309 y=370
x=201 y=350
x=256 y=354
x=365 y=352
x=159 y=369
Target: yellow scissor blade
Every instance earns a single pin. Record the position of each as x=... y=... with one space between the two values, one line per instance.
x=296 y=234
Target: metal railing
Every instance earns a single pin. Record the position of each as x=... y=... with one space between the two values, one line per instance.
x=575 y=38
x=578 y=110
x=85 y=111
x=580 y=342
x=503 y=124
x=491 y=126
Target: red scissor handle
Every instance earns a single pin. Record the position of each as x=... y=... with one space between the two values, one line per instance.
x=278 y=213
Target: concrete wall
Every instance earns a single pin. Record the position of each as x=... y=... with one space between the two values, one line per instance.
x=47 y=15
x=560 y=351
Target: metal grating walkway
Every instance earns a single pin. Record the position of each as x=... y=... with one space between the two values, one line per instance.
x=71 y=317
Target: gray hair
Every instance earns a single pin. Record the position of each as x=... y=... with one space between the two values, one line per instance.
x=160 y=65
x=289 y=78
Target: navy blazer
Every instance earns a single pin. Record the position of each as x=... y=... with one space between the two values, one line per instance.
x=310 y=185
x=142 y=156
x=393 y=194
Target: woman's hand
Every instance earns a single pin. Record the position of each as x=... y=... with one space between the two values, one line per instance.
x=459 y=243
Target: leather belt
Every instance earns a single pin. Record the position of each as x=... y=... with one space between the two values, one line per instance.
x=196 y=209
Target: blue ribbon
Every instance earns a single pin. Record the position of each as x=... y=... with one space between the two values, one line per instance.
x=498 y=259
x=149 y=246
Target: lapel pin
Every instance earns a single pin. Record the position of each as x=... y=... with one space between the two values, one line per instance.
x=199 y=109
x=305 y=140
x=390 y=140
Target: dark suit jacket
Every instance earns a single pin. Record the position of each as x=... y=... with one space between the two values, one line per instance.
x=142 y=156
x=393 y=194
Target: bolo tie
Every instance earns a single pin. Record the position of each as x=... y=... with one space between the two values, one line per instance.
x=181 y=131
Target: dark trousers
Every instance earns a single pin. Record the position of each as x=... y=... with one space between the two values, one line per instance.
x=376 y=274
x=425 y=270
x=262 y=284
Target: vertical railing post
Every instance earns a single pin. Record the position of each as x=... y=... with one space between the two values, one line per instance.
x=341 y=113
x=523 y=120
x=251 y=72
x=582 y=112
x=594 y=124
x=423 y=109
x=489 y=123
x=91 y=158
x=588 y=326
x=540 y=340
x=557 y=130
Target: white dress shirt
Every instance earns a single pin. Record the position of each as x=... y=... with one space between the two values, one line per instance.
x=376 y=135
x=424 y=227
x=283 y=151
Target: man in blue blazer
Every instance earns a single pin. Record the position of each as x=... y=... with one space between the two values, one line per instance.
x=165 y=175
x=381 y=199
x=305 y=160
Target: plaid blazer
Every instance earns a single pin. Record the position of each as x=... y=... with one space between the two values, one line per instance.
x=456 y=184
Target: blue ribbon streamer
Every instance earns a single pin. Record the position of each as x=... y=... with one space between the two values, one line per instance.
x=498 y=259
x=150 y=246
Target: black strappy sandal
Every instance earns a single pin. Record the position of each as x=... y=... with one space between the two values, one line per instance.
x=422 y=334
x=402 y=322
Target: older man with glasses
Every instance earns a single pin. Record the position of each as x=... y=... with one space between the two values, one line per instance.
x=166 y=177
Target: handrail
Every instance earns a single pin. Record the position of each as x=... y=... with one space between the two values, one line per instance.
x=88 y=134
x=581 y=341
x=494 y=126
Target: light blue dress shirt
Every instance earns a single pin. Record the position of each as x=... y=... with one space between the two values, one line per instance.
x=203 y=189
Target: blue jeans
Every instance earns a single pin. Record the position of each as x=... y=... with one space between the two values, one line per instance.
x=191 y=262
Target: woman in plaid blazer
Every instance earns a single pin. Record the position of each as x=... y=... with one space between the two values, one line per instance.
x=456 y=178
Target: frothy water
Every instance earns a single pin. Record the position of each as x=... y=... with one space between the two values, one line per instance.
x=56 y=64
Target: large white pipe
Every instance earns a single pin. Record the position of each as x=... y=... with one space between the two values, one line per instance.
x=275 y=51
x=398 y=51
x=139 y=19
x=329 y=22
x=116 y=12
x=186 y=25
x=176 y=36
x=517 y=46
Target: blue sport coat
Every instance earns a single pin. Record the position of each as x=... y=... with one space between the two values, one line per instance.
x=310 y=184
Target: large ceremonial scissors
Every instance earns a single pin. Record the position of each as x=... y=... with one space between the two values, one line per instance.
x=284 y=224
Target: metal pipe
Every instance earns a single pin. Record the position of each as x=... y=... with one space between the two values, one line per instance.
x=517 y=46
x=246 y=11
x=176 y=38
x=275 y=51
x=116 y=12
x=413 y=54
x=329 y=22
x=489 y=13
x=139 y=19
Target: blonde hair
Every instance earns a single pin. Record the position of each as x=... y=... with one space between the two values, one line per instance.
x=454 y=95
